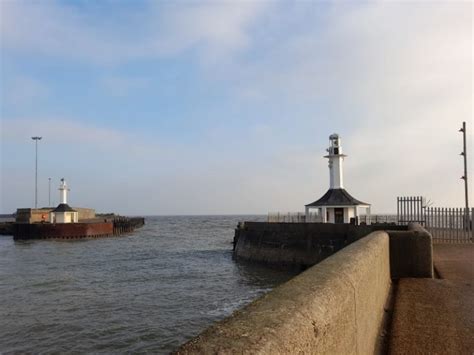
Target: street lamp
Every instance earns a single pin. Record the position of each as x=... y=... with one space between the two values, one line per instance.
x=36 y=139
x=464 y=177
x=464 y=154
x=49 y=192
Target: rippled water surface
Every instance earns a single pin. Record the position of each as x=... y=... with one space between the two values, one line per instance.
x=148 y=291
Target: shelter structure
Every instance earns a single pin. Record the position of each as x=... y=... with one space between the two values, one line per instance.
x=63 y=213
x=336 y=205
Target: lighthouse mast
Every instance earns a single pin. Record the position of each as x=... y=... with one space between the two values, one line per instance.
x=63 y=191
x=336 y=160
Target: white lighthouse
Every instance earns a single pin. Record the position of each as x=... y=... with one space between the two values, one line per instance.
x=336 y=160
x=63 y=213
x=336 y=205
x=63 y=191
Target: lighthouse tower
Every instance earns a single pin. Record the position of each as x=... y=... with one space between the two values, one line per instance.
x=63 y=213
x=336 y=205
x=63 y=191
x=336 y=160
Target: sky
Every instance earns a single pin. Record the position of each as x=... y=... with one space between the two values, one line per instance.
x=225 y=107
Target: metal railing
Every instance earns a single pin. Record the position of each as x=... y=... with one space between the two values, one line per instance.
x=293 y=217
x=410 y=209
x=299 y=217
x=378 y=218
x=449 y=225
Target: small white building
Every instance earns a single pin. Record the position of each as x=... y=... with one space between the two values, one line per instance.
x=336 y=205
x=63 y=213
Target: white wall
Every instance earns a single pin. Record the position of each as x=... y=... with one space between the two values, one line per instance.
x=65 y=217
x=348 y=214
x=60 y=217
x=330 y=215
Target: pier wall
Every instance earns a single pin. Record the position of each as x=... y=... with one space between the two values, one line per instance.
x=92 y=228
x=297 y=245
x=411 y=252
x=334 y=307
x=62 y=230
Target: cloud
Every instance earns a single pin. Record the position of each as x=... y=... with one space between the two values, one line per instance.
x=59 y=131
x=155 y=30
x=393 y=78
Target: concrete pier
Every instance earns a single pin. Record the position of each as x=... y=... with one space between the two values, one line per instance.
x=374 y=296
x=341 y=305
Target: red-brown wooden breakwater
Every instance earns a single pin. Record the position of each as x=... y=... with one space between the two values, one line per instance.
x=97 y=228
x=127 y=224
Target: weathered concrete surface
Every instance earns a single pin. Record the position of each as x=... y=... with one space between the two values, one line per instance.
x=455 y=262
x=335 y=307
x=433 y=317
x=411 y=253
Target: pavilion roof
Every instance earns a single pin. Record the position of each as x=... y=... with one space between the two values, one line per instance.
x=337 y=197
x=63 y=207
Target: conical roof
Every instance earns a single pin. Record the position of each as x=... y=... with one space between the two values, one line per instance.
x=63 y=207
x=337 y=197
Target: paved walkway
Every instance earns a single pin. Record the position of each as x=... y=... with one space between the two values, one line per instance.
x=454 y=262
x=436 y=316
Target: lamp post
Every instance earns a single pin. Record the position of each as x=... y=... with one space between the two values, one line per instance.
x=49 y=192
x=36 y=139
x=464 y=177
x=464 y=154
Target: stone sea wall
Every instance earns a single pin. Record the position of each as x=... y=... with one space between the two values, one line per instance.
x=335 y=307
x=296 y=245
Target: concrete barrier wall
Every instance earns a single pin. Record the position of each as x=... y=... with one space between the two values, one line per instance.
x=334 y=307
x=411 y=252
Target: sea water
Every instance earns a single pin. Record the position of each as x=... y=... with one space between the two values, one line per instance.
x=148 y=291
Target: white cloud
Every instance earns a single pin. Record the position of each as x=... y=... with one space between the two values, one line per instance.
x=220 y=26
x=394 y=78
x=53 y=29
x=59 y=130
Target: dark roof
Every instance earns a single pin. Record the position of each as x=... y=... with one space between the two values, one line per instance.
x=337 y=197
x=63 y=207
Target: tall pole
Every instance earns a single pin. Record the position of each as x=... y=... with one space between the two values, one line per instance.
x=36 y=139
x=464 y=177
x=464 y=154
x=49 y=192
